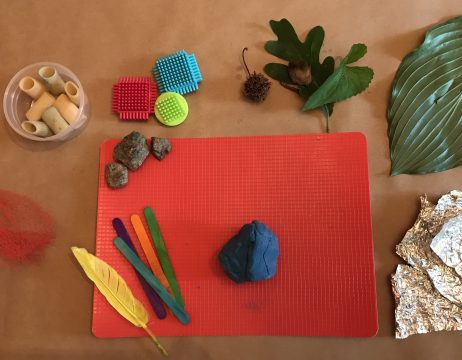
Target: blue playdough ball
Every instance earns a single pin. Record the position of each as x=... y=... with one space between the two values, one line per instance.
x=251 y=255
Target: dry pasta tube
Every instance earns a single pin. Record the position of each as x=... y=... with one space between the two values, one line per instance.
x=66 y=108
x=54 y=120
x=31 y=87
x=53 y=79
x=38 y=107
x=38 y=128
x=73 y=92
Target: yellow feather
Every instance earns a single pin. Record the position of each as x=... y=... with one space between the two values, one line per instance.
x=115 y=290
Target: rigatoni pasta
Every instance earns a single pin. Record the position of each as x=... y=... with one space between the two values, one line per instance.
x=38 y=108
x=72 y=91
x=57 y=113
x=66 y=108
x=31 y=87
x=38 y=128
x=54 y=81
x=54 y=120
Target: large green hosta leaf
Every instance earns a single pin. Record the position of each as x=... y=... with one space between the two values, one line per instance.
x=425 y=108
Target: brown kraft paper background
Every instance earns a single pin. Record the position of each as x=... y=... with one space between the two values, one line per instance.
x=45 y=307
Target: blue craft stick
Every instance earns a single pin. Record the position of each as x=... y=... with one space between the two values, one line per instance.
x=154 y=299
x=133 y=259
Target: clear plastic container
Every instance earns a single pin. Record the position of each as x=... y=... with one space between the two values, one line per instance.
x=16 y=103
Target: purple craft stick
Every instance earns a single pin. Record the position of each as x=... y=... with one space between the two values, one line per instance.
x=153 y=298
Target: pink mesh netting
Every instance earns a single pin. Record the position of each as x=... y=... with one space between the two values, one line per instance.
x=25 y=227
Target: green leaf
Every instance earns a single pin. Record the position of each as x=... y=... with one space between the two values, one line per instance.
x=288 y=46
x=327 y=86
x=307 y=91
x=278 y=72
x=312 y=45
x=326 y=69
x=356 y=52
x=345 y=82
x=425 y=107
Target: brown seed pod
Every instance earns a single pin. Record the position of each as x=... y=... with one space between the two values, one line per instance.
x=257 y=86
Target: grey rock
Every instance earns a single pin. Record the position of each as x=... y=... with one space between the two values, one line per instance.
x=160 y=147
x=116 y=175
x=132 y=150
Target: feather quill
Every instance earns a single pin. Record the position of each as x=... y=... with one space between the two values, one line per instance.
x=116 y=291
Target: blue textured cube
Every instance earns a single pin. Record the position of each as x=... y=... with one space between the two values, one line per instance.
x=177 y=72
x=251 y=255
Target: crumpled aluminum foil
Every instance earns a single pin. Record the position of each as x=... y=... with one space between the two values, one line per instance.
x=447 y=244
x=415 y=248
x=419 y=307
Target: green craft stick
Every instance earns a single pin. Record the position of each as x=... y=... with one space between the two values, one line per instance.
x=139 y=266
x=162 y=253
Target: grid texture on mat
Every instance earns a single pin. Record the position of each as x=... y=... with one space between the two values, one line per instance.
x=311 y=190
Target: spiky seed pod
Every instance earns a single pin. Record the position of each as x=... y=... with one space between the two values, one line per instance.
x=257 y=86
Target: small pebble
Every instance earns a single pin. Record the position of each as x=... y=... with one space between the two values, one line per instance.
x=116 y=175
x=132 y=150
x=160 y=147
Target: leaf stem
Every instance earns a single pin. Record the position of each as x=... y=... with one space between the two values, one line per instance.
x=293 y=88
x=326 y=109
x=243 y=59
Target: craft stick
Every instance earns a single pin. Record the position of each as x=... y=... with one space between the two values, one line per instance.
x=146 y=244
x=54 y=120
x=37 y=128
x=162 y=253
x=54 y=81
x=38 y=107
x=73 y=92
x=31 y=87
x=139 y=266
x=66 y=108
x=154 y=299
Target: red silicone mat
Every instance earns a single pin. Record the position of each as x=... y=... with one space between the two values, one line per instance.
x=311 y=190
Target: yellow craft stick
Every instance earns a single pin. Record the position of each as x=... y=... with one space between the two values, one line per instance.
x=146 y=244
